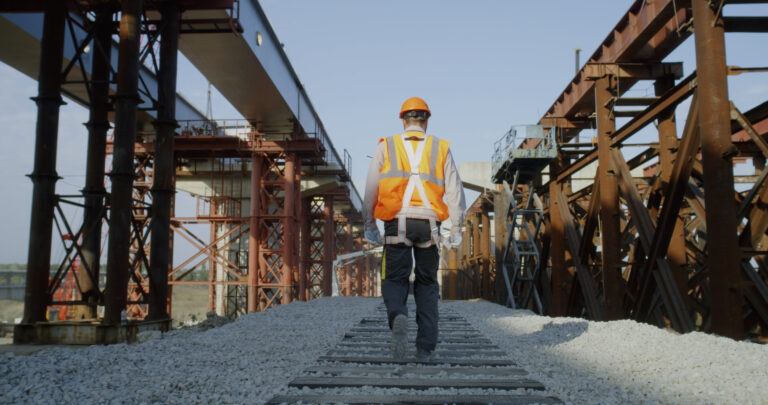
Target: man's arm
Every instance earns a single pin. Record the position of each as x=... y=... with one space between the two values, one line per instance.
x=371 y=196
x=454 y=193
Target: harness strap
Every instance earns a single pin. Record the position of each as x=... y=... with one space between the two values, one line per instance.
x=414 y=183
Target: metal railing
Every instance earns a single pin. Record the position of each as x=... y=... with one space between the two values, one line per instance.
x=524 y=141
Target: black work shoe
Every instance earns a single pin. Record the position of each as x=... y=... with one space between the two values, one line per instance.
x=424 y=355
x=399 y=337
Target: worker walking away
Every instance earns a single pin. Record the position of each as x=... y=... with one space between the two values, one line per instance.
x=413 y=185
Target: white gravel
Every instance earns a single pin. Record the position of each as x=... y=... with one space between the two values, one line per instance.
x=253 y=359
x=246 y=361
x=624 y=361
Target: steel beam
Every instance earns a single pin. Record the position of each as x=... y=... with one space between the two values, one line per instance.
x=610 y=232
x=646 y=230
x=126 y=102
x=668 y=144
x=717 y=150
x=163 y=187
x=594 y=309
x=670 y=99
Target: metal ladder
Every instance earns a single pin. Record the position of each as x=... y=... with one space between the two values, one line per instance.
x=522 y=262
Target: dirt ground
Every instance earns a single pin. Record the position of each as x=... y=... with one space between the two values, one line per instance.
x=10 y=310
x=189 y=301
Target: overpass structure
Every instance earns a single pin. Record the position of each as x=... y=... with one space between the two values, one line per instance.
x=273 y=189
x=678 y=246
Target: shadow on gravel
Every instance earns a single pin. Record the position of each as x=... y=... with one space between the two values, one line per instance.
x=552 y=334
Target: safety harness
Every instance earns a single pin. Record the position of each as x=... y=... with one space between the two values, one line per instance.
x=407 y=210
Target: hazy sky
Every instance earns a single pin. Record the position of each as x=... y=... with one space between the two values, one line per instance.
x=482 y=66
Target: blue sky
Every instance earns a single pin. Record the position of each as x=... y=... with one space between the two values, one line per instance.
x=482 y=66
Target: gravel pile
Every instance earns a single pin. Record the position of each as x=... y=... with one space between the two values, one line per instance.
x=623 y=361
x=253 y=358
x=245 y=361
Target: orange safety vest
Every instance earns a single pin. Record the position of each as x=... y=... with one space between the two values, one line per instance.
x=398 y=180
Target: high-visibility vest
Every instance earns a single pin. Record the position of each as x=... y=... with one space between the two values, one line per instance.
x=408 y=177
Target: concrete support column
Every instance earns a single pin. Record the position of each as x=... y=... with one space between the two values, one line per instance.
x=289 y=217
x=44 y=174
x=163 y=184
x=609 y=201
x=717 y=152
x=94 y=192
x=257 y=165
x=329 y=245
x=126 y=102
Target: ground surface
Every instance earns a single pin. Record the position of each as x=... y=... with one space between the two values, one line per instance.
x=252 y=359
x=10 y=310
x=190 y=303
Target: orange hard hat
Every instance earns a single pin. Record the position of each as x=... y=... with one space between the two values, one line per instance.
x=414 y=104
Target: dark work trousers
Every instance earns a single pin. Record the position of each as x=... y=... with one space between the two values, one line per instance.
x=397 y=263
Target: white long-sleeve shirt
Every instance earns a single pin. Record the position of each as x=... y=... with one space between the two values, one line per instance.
x=454 y=191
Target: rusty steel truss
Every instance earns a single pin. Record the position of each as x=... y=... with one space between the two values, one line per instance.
x=680 y=247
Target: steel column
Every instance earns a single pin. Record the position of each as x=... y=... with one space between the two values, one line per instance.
x=485 y=252
x=610 y=232
x=44 y=174
x=453 y=274
x=212 y=269
x=348 y=270
x=476 y=256
x=560 y=276
x=163 y=187
x=94 y=192
x=126 y=102
x=306 y=249
x=254 y=238
x=329 y=245
x=289 y=216
x=668 y=145
x=717 y=150
x=298 y=269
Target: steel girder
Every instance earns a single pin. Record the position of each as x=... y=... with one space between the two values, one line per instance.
x=689 y=248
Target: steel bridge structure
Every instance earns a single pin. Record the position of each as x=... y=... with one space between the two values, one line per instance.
x=273 y=190
x=678 y=246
